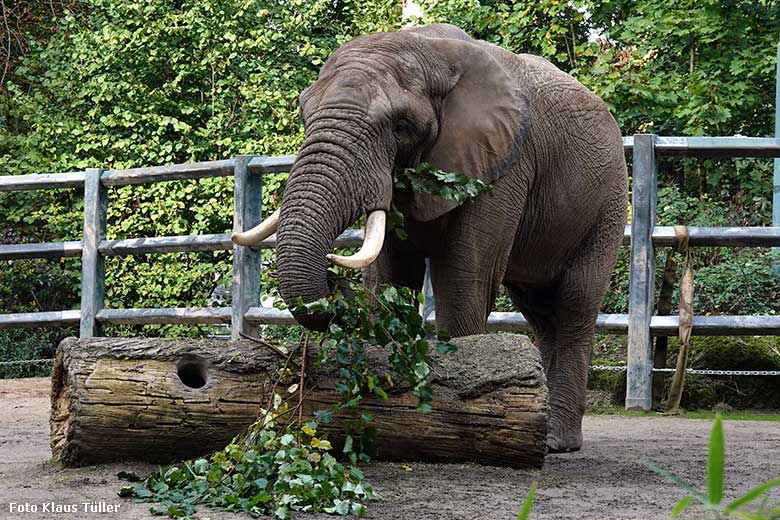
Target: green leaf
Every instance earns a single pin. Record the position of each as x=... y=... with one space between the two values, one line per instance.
x=424 y=408
x=323 y=416
x=752 y=495
x=446 y=347
x=528 y=503
x=356 y=474
x=142 y=492
x=715 y=463
x=126 y=491
x=390 y=294
x=421 y=370
x=347 y=444
x=698 y=495
x=680 y=506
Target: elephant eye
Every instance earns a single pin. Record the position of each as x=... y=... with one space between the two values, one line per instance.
x=401 y=127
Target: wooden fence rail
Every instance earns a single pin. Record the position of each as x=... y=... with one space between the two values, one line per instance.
x=246 y=313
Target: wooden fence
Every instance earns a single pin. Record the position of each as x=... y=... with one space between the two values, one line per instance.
x=246 y=314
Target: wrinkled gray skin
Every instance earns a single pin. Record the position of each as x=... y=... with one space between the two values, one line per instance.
x=550 y=232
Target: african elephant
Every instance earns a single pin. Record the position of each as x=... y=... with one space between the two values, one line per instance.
x=550 y=232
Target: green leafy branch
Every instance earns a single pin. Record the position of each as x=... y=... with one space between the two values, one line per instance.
x=451 y=186
x=428 y=179
x=278 y=465
x=390 y=318
x=280 y=470
x=281 y=464
x=712 y=500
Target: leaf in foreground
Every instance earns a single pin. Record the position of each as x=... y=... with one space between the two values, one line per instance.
x=715 y=463
x=528 y=503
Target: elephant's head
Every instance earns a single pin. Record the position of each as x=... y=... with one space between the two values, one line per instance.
x=384 y=102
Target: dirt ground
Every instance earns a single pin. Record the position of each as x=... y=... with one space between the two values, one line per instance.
x=604 y=480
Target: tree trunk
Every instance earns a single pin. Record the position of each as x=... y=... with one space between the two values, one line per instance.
x=161 y=400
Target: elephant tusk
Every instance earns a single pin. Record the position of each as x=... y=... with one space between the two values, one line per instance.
x=372 y=244
x=258 y=233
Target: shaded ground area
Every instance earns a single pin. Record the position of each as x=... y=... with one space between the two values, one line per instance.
x=604 y=480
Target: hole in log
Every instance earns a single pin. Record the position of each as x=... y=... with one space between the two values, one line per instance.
x=192 y=371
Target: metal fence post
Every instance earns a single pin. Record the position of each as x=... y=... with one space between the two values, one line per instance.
x=639 y=382
x=92 y=262
x=248 y=205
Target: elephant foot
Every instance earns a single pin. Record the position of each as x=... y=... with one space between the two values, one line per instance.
x=564 y=440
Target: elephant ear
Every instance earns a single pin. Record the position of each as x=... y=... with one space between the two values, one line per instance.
x=484 y=119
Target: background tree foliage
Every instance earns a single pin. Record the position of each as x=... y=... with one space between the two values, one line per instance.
x=143 y=82
x=125 y=84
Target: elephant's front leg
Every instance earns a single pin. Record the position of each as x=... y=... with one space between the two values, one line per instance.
x=469 y=266
x=465 y=289
x=564 y=318
x=563 y=333
x=567 y=355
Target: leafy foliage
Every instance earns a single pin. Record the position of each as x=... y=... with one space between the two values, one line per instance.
x=550 y=28
x=712 y=500
x=427 y=179
x=282 y=464
x=390 y=318
x=21 y=344
x=701 y=68
x=451 y=186
x=272 y=469
x=146 y=82
x=24 y=20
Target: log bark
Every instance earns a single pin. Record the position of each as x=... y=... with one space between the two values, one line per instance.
x=162 y=400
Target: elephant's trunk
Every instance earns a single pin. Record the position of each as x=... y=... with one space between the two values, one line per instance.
x=325 y=194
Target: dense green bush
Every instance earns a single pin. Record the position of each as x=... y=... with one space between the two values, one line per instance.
x=727 y=280
x=732 y=353
x=138 y=83
x=735 y=353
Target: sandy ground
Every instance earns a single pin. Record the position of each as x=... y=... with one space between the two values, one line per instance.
x=604 y=480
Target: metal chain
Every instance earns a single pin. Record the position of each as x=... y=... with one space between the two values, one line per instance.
x=27 y=362
x=612 y=368
x=609 y=368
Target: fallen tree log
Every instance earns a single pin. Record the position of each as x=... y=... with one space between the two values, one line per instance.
x=162 y=400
